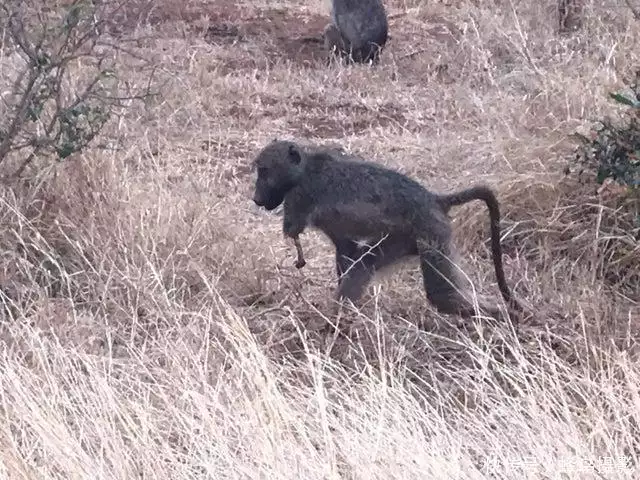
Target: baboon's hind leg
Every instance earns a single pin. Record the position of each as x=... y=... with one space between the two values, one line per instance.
x=441 y=280
x=369 y=53
x=357 y=264
x=346 y=254
x=334 y=43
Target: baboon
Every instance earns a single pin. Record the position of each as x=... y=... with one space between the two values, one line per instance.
x=570 y=15
x=358 y=30
x=350 y=200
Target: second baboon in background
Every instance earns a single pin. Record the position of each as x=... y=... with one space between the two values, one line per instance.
x=358 y=30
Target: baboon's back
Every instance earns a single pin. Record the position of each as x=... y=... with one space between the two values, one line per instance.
x=362 y=23
x=352 y=181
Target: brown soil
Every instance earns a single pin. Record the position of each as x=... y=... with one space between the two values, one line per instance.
x=289 y=35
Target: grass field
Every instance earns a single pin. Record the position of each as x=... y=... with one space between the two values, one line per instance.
x=155 y=326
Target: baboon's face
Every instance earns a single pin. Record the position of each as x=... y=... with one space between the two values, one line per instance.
x=277 y=165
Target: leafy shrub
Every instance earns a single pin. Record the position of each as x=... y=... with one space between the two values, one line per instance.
x=613 y=150
x=61 y=65
x=610 y=156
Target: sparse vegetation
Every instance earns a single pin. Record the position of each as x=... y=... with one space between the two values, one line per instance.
x=63 y=81
x=613 y=151
x=154 y=326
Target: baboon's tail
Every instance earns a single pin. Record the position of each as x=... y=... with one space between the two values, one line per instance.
x=483 y=192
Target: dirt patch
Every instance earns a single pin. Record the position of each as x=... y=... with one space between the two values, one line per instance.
x=135 y=13
x=327 y=119
x=282 y=33
x=442 y=30
x=425 y=31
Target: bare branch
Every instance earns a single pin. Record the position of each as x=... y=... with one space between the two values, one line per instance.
x=49 y=115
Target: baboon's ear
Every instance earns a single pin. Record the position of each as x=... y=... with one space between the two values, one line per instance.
x=294 y=155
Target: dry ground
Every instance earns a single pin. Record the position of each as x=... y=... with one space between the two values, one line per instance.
x=155 y=326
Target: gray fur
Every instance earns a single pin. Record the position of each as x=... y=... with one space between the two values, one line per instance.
x=358 y=31
x=350 y=200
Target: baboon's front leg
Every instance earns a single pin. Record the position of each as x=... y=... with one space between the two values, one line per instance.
x=293 y=224
x=357 y=264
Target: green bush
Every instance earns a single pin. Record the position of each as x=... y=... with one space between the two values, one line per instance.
x=63 y=77
x=612 y=150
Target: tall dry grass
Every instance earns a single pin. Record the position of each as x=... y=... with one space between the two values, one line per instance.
x=154 y=325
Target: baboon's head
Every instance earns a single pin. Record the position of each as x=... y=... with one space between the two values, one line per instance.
x=279 y=167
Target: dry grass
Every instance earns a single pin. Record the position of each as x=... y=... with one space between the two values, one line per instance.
x=155 y=326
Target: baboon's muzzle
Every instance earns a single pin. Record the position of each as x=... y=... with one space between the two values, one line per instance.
x=257 y=201
x=269 y=201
